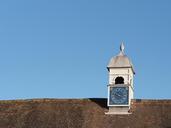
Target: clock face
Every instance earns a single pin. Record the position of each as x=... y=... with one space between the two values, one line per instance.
x=118 y=96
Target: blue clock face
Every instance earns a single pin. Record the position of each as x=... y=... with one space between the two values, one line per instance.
x=118 y=96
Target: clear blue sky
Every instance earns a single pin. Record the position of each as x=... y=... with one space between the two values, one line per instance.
x=60 y=48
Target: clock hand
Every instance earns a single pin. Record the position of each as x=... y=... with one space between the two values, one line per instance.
x=118 y=95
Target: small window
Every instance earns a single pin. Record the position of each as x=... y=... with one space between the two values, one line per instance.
x=119 y=80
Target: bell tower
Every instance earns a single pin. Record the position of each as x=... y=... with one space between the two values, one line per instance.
x=120 y=88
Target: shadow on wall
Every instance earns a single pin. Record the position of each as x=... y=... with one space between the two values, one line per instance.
x=102 y=102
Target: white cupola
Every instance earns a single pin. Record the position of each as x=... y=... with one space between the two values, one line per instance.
x=120 y=88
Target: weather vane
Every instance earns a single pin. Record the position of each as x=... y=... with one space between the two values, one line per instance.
x=122 y=47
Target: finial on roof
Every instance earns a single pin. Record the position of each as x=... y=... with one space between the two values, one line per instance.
x=122 y=47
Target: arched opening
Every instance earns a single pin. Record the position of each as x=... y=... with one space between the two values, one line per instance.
x=119 y=80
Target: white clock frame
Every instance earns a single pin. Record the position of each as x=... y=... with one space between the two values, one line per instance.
x=120 y=105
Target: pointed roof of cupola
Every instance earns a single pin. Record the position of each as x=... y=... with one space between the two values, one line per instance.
x=121 y=60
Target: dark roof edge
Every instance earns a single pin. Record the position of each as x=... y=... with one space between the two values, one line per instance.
x=81 y=99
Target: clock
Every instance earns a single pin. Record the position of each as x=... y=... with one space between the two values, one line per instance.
x=118 y=96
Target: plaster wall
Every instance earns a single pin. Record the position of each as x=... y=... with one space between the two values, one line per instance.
x=126 y=73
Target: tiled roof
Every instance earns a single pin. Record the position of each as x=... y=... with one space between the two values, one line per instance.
x=82 y=113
